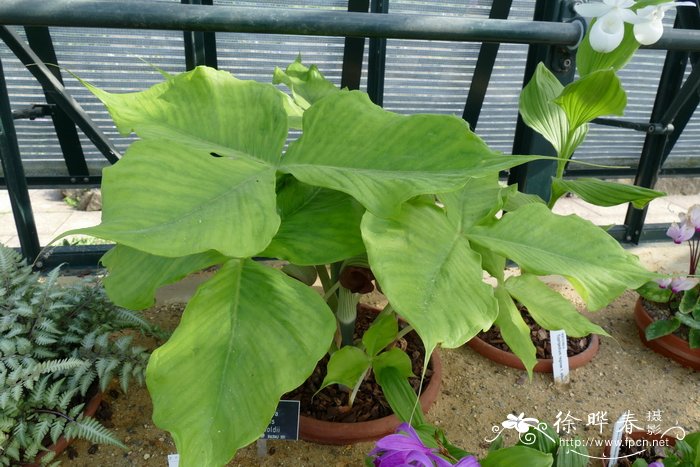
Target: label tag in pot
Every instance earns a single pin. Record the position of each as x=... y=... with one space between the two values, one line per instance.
x=285 y=422
x=616 y=441
x=560 y=359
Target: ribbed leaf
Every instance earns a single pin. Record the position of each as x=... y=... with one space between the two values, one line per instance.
x=588 y=60
x=548 y=308
x=432 y=278
x=540 y=113
x=248 y=335
x=514 y=330
x=400 y=395
x=545 y=243
x=605 y=193
x=597 y=94
x=383 y=159
x=319 y=226
x=307 y=83
x=134 y=276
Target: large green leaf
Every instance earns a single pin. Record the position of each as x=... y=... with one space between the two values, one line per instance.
x=249 y=335
x=545 y=243
x=540 y=113
x=517 y=455
x=206 y=105
x=381 y=333
x=173 y=200
x=479 y=199
x=319 y=226
x=514 y=330
x=346 y=367
x=605 y=193
x=596 y=94
x=400 y=395
x=134 y=276
x=383 y=159
x=548 y=308
x=432 y=278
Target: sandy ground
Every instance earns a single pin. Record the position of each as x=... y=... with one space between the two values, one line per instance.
x=477 y=395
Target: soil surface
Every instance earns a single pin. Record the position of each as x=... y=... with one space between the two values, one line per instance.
x=477 y=395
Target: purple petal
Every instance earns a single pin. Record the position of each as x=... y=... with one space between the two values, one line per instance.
x=469 y=461
x=399 y=442
x=392 y=459
x=694 y=216
x=656 y=464
x=681 y=233
x=679 y=284
x=664 y=282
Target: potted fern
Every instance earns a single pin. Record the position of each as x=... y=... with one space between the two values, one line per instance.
x=57 y=351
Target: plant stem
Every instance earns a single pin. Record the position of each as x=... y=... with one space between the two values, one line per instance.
x=353 y=394
x=404 y=331
x=324 y=277
x=346 y=314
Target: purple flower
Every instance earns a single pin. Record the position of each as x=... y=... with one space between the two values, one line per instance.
x=405 y=448
x=679 y=284
x=694 y=216
x=656 y=464
x=681 y=233
x=664 y=282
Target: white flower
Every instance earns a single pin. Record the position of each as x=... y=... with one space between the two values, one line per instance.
x=609 y=29
x=649 y=26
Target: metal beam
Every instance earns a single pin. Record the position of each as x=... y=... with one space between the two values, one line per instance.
x=500 y=9
x=353 y=52
x=200 y=47
x=40 y=41
x=16 y=184
x=176 y=16
x=92 y=181
x=376 y=62
x=63 y=99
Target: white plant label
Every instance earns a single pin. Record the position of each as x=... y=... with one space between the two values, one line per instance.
x=616 y=440
x=173 y=460
x=560 y=360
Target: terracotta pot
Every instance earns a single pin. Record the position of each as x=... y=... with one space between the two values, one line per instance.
x=670 y=346
x=318 y=431
x=62 y=443
x=637 y=435
x=544 y=365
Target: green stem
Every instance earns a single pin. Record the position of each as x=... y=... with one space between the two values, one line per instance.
x=324 y=277
x=404 y=331
x=346 y=314
x=353 y=394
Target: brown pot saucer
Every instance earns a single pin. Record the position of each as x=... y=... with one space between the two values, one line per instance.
x=544 y=365
x=670 y=346
x=324 y=432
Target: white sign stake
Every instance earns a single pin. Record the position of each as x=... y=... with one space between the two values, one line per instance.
x=560 y=364
x=173 y=460
x=616 y=441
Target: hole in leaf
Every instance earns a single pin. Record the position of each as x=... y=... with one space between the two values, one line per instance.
x=213 y=154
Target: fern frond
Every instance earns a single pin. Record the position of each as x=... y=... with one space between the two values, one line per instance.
x=91 y=430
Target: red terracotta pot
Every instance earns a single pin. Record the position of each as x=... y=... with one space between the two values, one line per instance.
x=325 y=432
x=670 y=346
x=544 y=365
x=638 y=435
x=62 y=443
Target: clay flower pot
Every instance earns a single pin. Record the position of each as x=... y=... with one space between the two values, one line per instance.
x=62 y=443
x=544 y=365
x=637 y=436
x=325 y=432
x=670 y=346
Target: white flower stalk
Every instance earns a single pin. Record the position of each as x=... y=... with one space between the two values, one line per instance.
x=649 y=27
x=609 y=29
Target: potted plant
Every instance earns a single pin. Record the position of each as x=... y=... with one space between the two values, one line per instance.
x=208 y=184
x=667 y=312
x=561 y=115
x=58 y=349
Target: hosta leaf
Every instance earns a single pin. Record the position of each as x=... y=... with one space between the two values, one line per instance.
x=540 y=113
x=400 y=395
x=597 y=94
x=548 y=308
x=172 y=200
x=383 y=159
x=431 y=276
x=544 y=243
x=514 y=330
x=605 y=193
x=319 y=226
x=211 y=383
x=134 y=276
x=346 y=367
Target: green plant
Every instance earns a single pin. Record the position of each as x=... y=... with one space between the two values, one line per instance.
x=55 y=344
x=357 y=188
